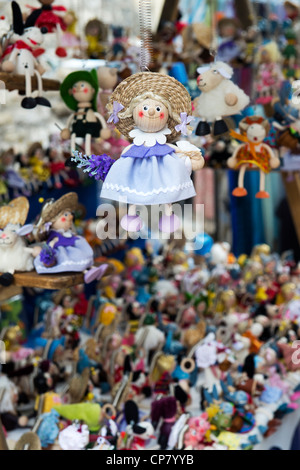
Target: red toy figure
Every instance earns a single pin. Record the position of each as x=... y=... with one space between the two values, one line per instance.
x=54 y=18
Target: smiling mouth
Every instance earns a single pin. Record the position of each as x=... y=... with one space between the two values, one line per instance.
x=202 y=84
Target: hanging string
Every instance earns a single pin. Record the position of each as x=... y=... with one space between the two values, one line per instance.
x=214 y=38
x=145 y=13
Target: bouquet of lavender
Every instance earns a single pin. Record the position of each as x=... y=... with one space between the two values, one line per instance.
x=47 y=256
x=96 y=166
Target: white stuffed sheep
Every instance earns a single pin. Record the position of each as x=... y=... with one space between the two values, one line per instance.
x=219 y=97
x=14 y=256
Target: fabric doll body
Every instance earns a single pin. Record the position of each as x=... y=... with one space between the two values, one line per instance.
x=149 y=172
x=49 y=17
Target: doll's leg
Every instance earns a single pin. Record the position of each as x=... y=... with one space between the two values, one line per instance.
x=57 y=182
x=240 y=191
x=73 y=143
x=220 y=126
x=131 y=222
x=28 y=102
x=40 y=99
x=262 y=194
x=95 y=273
x=60 y=51
x=6 y=279
x=203 y=128
x=169 y=222
x=88 y=144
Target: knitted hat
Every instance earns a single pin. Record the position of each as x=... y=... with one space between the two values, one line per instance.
x=161 y=85
x=15 y=212
x=74 y=77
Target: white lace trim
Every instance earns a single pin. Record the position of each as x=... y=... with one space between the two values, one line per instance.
x=149 y=193
x=149 y=139
x=68 y=263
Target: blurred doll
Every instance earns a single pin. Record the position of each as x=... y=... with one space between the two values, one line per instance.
x=269 y=75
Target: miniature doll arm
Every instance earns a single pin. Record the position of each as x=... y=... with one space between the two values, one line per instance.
x=274 y=161
x=38 y=66
x=231 y=99
x=232 y=161
x=65 y=133
x=9 y=65
x=105 y=132
x=192 y=155
x=36 y=251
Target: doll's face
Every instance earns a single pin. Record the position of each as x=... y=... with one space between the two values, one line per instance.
x=256 y=133
x=150 y=116
x=46 y=2
x=64 y=221
x=82 y=91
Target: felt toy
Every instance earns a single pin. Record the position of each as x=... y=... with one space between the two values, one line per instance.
x=290 y=53
x=107 y=79
x=219 y=98
x=20 y=57
x=151 y=109
x=195 y=435
x=96 y=33
x=269 y=76
x=253 y=153
x=54 y=18
x=230 y=47
x=79 y=91
x=15 y=256
x=164 y=409
x=64 y=251
x=197 y=39
x=89 y=413
x=8 y=411
x=74 y=437
x=138 y=432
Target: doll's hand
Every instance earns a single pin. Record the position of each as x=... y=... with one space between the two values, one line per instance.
x=105 y=134
x=65 y=134
x=231 y=99
x=23 y=421
x=68 y=19
x=36 y=251
x=53 y=242
x=8 y=66
x=232 y=162
x=41 y=70
x=274 y=162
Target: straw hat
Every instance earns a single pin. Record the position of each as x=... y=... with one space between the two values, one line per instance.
x=15 y=212
x=166 y=87
x=29 y=441
x=53 y=208
x=78 y=386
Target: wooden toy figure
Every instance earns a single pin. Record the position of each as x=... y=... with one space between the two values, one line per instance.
x=152 y=109
x=253 y=153
x=20 y=56
x=219 y=98
x=54 y=18
x=269 y=75
x=79 y=91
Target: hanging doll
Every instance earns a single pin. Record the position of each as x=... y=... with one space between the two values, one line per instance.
x=229 y=49
x=20 y=57
x=8 y=406
x=253 y=153
x=151 y=109
x=219 y=98
x=64 y=251
x=269 y=75
x=96 y=33
x=79 y=91
x=54 y=18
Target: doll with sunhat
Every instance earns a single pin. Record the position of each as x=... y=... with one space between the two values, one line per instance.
x=79 y=91
x=64 y=250
x=151 y=110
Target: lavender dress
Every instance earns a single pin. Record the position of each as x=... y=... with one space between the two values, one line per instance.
x=148 y=175
x=73 y=254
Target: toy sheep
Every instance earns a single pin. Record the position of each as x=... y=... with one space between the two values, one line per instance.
x=219 y=97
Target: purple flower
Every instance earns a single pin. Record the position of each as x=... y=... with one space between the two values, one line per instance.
x=47 y=256
x=96 y=166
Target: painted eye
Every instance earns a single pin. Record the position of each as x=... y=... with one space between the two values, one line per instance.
x=158 y=109
x=145 y=108
x=82 y=85
x=215 y=72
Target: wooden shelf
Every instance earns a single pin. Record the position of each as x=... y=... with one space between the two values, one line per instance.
x=17 y=82
x=292 y=187
x=7 y=293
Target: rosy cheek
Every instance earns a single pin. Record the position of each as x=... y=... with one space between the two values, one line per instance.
x=63 y=219
x=86 y=90
x=141 y=114
x=74 y=90
x=162 y=115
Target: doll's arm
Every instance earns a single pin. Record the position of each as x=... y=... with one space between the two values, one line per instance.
x=38 y=66
x=274 y=160
x=231 y=99
x=36 y=251
x=232 y=161
x=9 y=65
x=65 y=133
x=192 y=155
x=127 y=148
x=105 y=132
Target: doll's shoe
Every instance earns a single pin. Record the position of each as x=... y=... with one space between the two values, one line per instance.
x=6 y=279
x=95 y=274
x=131 y=223
x=42 y=101
x=169 y=223
x=220 y=127
x=262 y=195
x=239 y=192
x=61 y=52
x=203 y=129
x=28 y=103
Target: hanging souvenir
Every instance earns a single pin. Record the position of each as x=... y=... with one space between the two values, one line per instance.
x=20 y=56
x=253 y=153
x=54 y=18
x=219 y=98
x=269 y=75
x=79 y=91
